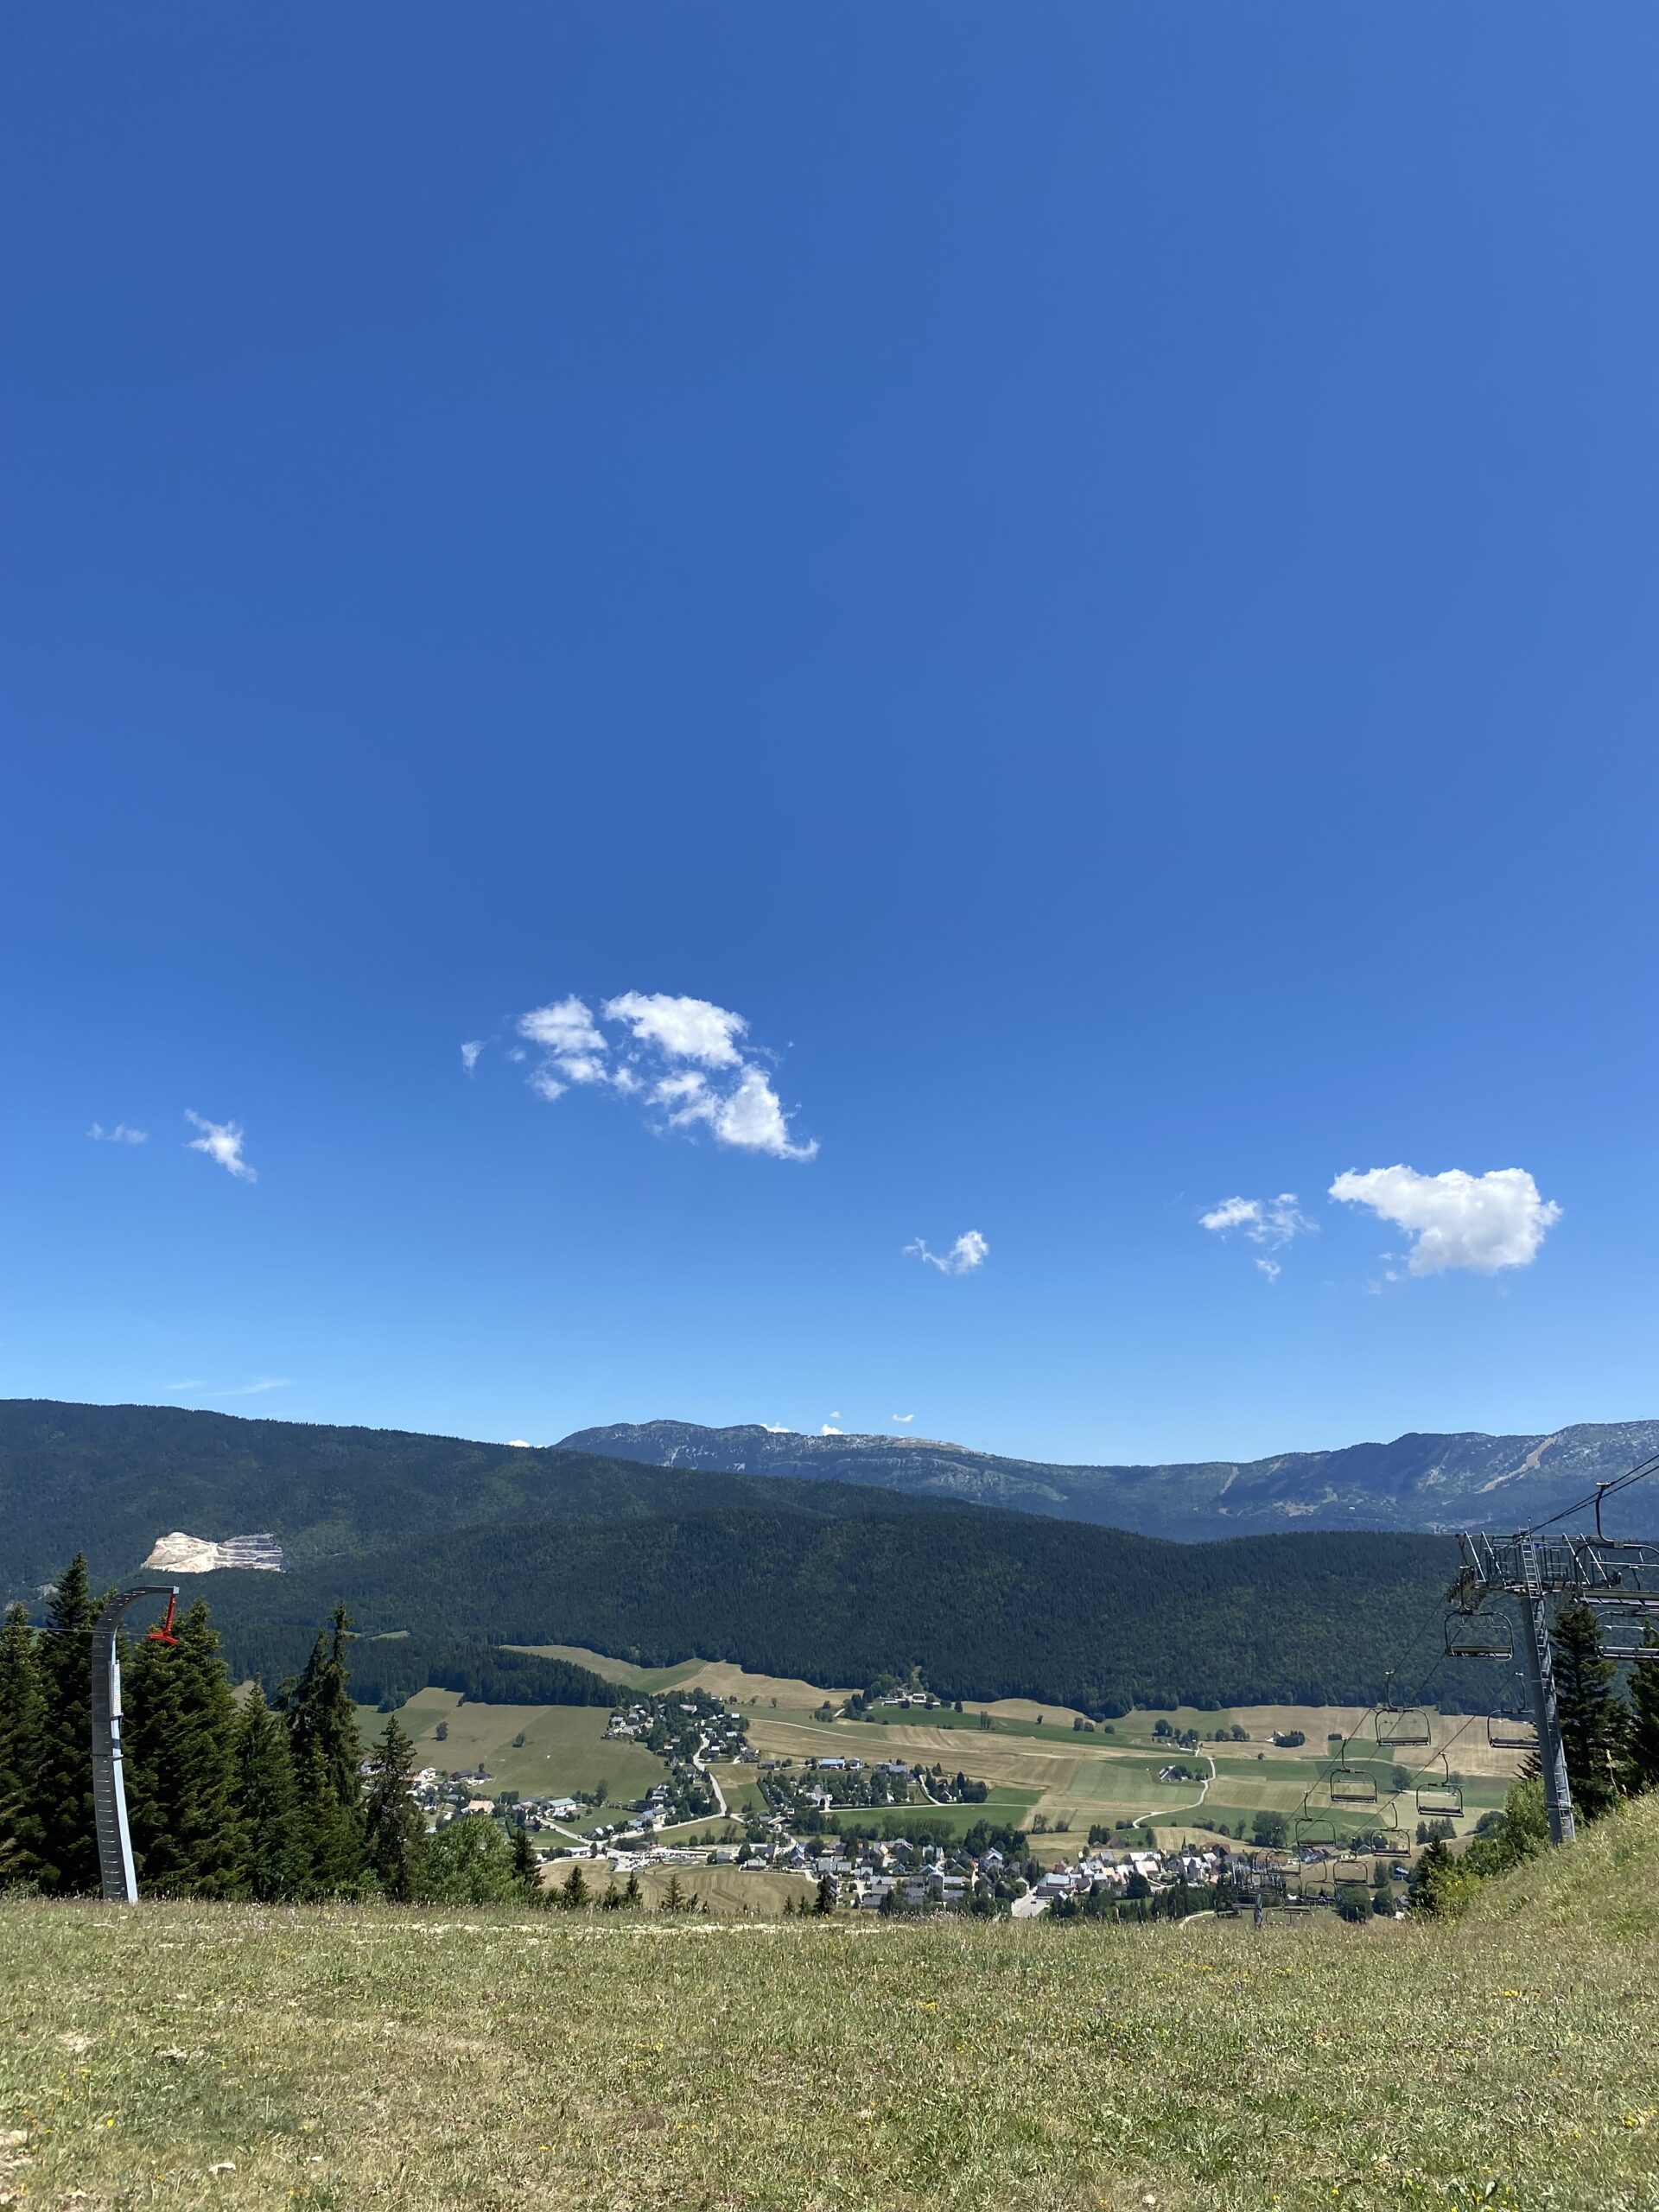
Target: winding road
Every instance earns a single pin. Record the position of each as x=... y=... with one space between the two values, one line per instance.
x=1204 y=1791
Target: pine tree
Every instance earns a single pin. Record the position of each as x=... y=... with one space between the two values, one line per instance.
x=274 y=1863
x=58 y=1806
x=1642 y=1745
x=20 y=1746
x=1431 y=1879
x=394 y=1831
x=574 y=1895
x=181 y=1748
x=1593 y=1718
x=326 y=1751
x=527 y=1866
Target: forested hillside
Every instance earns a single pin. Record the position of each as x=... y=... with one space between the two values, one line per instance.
x=1427 y=1483
x=987 y=1604
x=467 y=1546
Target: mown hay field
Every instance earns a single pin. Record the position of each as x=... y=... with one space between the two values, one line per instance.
x=565 y=1749
x=189 y=2056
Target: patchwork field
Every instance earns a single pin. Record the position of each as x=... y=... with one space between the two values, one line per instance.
x=565 y=1747
x=1035 y=1763
x=183 y=2057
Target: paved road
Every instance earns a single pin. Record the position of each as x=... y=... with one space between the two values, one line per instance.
x=713 y=1780
x=1204 y=1791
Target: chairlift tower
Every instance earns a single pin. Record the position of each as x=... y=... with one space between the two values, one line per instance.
x=115 y=1872
x=1610 y=1577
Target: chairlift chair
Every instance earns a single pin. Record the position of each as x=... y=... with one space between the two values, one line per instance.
x=1350 y=1785
x=1511 y=1732
x=1439 y=1799
x=1479 y=1632
x=1398 y=1725
x=1349 y=1868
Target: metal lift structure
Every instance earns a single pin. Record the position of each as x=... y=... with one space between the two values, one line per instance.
x=1537 y=1569
x=120 y=1882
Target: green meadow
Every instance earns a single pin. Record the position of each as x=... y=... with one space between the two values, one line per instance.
x=183 y=2057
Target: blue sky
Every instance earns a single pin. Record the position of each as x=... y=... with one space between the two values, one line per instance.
x=1087 y=574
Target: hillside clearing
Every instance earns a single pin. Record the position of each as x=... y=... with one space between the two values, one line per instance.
x=329 y=2060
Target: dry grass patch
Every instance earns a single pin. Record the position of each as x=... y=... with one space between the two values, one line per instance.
x=333 y=2060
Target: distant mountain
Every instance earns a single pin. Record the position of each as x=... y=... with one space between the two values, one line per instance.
x=469 y=1546
x=1425 y=1483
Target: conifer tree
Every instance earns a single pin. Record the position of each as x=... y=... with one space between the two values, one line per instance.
x=20 y=1745
x=394 y=1832
x=527 y=1866
x=1431 y=1879
x=181 y=1747
x=59 y=1804
x=1593 y=1718
x=274 y=1863
x=1642 y=1746
x=326 y=1751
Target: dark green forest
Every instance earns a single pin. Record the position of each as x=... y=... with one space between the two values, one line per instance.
x=456 y=1549
x=270 y=1799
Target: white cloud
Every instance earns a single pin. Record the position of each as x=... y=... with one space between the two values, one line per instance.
x=902 y=1417
x=1272 y=1221
x=752 y=1119
x=119 y=1134
x=469 y=1053
x=221 y=1141
x=1270 y=1268
x=738 y=1104
x=777 y=1428
x=1480 y=1222
x=683 y=1029
x=829 y=1429
x=969 y=1251
x=566 y=1026
x=519 y=1444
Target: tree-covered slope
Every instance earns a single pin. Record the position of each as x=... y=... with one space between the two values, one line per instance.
x=110 y=1479
x=1418 y=1482
x=467 y=1545
x=987 y=1605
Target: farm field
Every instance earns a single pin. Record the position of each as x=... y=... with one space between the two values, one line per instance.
x=326 y=2060
x=727 y=1892
x=1035 y=1763
x=565 y=1747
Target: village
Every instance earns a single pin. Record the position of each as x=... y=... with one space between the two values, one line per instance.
x=829 y=1821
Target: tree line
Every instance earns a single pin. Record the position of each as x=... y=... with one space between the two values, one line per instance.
x=256 y=1797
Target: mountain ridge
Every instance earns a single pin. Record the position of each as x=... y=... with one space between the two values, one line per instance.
x=1424 y=1482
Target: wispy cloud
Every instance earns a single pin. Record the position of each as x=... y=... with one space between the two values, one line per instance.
x=1272 y=1221
x=903 y=1417
x=195 y=1387
x=469 y=1052
x=1270 y=1268
x=221 y=1141
x=119 y=1134
x=969 y=1251
x=684 y=1060
x=1483 y=1222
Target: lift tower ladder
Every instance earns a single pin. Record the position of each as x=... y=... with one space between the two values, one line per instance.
x=115 y=1867
x=1535 y=1569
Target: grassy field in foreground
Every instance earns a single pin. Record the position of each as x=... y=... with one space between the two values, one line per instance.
x=329 y=2060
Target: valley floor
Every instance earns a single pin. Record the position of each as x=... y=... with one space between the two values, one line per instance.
x=184 y=2057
